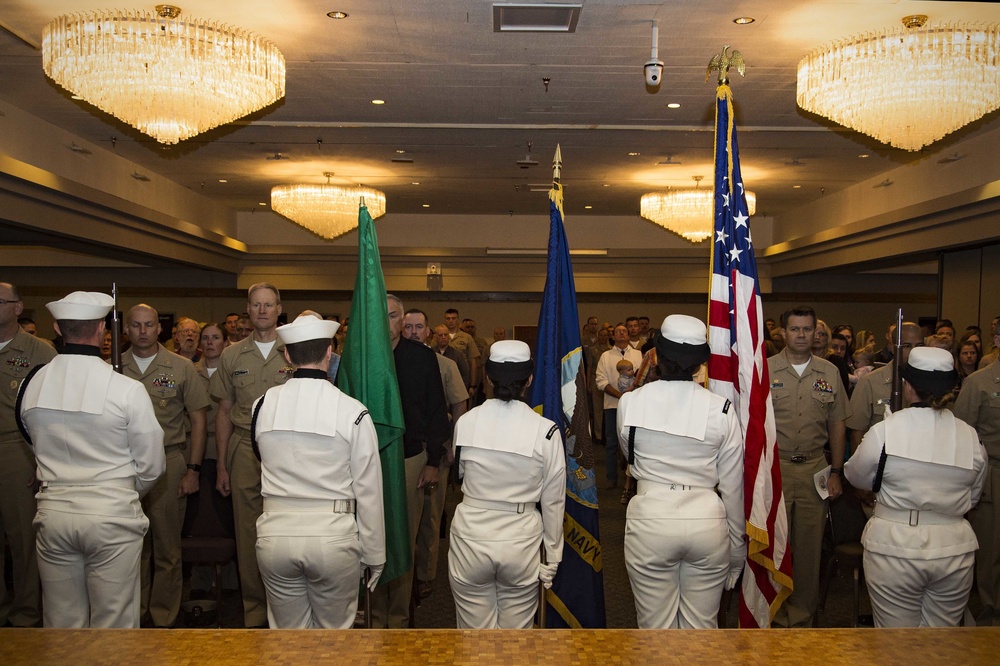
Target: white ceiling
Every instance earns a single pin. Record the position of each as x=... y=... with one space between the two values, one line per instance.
x=463 y=101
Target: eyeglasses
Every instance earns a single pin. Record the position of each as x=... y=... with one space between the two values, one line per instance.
x=5 y=301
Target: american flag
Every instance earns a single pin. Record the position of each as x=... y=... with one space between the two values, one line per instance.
x=738 y=371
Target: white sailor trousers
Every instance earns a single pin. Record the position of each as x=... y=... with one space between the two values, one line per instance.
x=312 y=582
x=493 y=560
x=89 y=562
x=918 y=593
x=677 y=556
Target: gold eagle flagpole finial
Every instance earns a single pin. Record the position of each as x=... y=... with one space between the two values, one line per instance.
x=723 y=62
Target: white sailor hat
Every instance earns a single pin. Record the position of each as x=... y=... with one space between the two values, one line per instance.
x=510 y=360
x=931 y=369
x=307 y=327
x=81 y=305
x=684 y=341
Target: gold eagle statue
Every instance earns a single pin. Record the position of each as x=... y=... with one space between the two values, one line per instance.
x=724 y=61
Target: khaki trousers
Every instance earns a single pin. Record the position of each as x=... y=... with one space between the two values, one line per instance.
x=17 y=510
x=391 y=602
x=244 y=479
x=425 y=555
x=806 y=522
x=161 y=597
x=985 y=521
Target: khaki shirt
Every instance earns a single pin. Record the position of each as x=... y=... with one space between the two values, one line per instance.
x=17 y=359
x=175 y=389
x=978 y=404
x=464 y=343
x=870 y=398
x=210 y=450
x=244 y=375
x=804 y=405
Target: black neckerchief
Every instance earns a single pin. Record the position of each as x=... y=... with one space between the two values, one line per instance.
x=309 y=373
x=677 y=378
x=81 y=350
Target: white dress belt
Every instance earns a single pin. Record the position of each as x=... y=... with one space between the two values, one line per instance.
x=913 y=517
x=285 y=504
x=125 y=482
x=496 y=505
x=647 y=487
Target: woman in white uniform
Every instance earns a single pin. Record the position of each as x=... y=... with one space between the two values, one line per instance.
x=927 y=470
x=684 y=541
x=514 y=470
x=321 y=481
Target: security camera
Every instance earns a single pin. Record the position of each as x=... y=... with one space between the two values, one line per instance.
x=654 y=66
x=654 y=72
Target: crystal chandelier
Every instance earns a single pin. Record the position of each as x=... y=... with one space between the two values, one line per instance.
x=907 y=87
x=169 y=78
x=689 y=212
x=327 y=210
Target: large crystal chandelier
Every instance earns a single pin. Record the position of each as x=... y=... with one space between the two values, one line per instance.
x=168 y=77
x=907 y=87
x=688 y=212
x=327 y=210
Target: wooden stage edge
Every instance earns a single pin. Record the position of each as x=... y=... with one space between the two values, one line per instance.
x=879 y=647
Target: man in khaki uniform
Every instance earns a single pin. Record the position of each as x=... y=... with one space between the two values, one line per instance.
x=178 y=395
x=810 y=406
x=978 y=405
x=246 y=371
x=874 y=391
x=20 y=352
x=464 y=343
x=456 y=396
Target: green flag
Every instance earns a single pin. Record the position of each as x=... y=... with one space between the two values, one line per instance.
x=368 y=373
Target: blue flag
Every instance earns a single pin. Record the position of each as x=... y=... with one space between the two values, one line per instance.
x=559 y=392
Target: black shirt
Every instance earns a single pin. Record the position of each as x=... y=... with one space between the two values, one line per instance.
x=425 y=413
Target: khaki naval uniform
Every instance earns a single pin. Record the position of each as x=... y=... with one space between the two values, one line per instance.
x=319 y=463
x=803 y=406
x=17 y=474
x=175 y=390
x=99 y=448
x=919 y=550
x=872 y=395
x=425 y=555
x=243 y=376
x=978 y=404
x=682 y=539
x=511 y=458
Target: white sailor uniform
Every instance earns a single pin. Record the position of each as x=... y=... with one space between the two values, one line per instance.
x=319 y=461
x=919 y=550
x=98 y=448
x=511 y=458
x=682 y=538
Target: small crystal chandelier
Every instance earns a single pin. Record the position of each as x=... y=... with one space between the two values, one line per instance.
x=326 y=210
x=168 y=77
x=689 y=212
x=907 y=87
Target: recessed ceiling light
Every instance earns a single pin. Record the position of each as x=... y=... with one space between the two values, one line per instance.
x=744 y=20
x=673 y=105
x=400 y=152
x=426 y=205
x=588 y=207
x=75 y=97
x=796 y=187
x=633 y=154
x=864 y=155
x=378 y=102
x=414 y=183
x=261 y=203
x=607 y=185
x=337 y=15
x=223 y=180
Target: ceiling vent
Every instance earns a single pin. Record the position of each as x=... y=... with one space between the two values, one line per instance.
x=535 y=17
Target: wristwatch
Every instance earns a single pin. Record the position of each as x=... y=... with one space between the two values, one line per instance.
x=194 y=467
x=839 y=471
